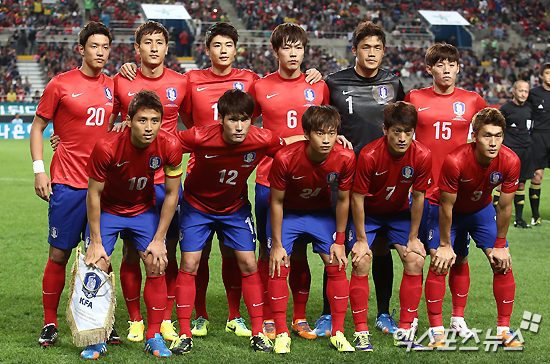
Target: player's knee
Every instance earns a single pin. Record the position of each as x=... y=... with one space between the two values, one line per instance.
x=59 y=256
x=362 y=267
x=461 y=259
x=248 y=264
x=413 y=263
x=189 y=263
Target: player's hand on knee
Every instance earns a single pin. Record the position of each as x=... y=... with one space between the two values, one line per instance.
x=415 y=246
x=359 y=251
x=277 y=257
x=54 y=141
x=501 y=260
x=338 y=254
x=128 y=70
x=444 y=259
x=157 y=249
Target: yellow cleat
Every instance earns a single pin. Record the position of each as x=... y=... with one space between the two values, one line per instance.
x=167 y=331
x=340 y=343
x=135 y=331
x=282 y=344
x=200 y=328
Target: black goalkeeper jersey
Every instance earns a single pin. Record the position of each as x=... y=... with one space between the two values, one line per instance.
x=539 y=98
x=361 y=103
x=518 y=122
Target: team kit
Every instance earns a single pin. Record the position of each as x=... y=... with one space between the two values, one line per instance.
x=350 y=164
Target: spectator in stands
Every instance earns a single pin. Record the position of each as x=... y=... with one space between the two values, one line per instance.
x=36 y=97
x=105 y=18
x=184 y=44
x=17 y=120
x=12 y=95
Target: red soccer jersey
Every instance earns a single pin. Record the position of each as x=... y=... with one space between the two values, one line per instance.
x=128 y=171
x=473 y=184
x=204 y=89
x=217 y=184
x=307 y=184
x=443 y=122
x=170 y=87
x=80 y=107
x=386 y=180
x=282 y=103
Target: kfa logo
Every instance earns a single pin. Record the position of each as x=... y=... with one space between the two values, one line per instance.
x=155 y=162
x=54 y=232
x=249 y=157
x=91 y=285
x=459 y=108
x=332 y=177
x=238 y=86
x=495 y=177
x=383 y=94
x=407 y=171
x=108 y=93
x=172 y=94
x=309 y=95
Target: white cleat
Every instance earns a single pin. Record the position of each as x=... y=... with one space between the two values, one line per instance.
x=458 y=325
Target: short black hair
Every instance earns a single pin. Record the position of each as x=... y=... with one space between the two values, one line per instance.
x=221 y=28
x=441 y=52
x=320 y=117
x=236 y=102
x=145 y=99
x=150 y=27
x=93 y=27
x=288 y=33
x=544 y=67
x=400 y=113
x=368 y=29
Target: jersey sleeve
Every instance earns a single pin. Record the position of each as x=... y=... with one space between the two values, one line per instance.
x=400 y=93
x=450 y=173
x=116 y=101
x=278 y=174
x=186 y=105
x=99 y=161
x=510 y=183
x=257 y=107
x=275 y=144
x=423 y=181
x=173 y=166
x=49 y=100
x=187 y=140
x=408 y=98
x=363 y=173
x=480 y=103
x=345 y=180
x=326 y=95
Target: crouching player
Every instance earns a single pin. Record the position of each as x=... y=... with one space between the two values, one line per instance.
x=300 y=212
x=386 y=170
x=216 y=199
x=121 y=198
x=468 y=176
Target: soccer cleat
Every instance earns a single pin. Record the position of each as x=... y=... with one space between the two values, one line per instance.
x=437 y=339
x=200 y=327
x=282 y=344
x=135 y=331
x=340 y=343
x=362 y=342
x=459 y=326
x=268 y=327
x=323 y=326
x=509 y=340
x=536 y=222
x=261 y=343
x=167 y=331
x=157 y=346
x=405 y=338
x=94 y=351
x=238 y=327
x=182 y=345
x=522 y=224
x=302 y=328
x=114 y=339
x=48 y=336
x=386 y=323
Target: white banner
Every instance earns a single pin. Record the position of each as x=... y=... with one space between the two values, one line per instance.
x=154 y=11
x=443 y=17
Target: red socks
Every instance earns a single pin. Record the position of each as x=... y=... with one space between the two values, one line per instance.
x=278 y=299
x=171 y=274
x=154 y=295
x=434 y=293
x=263 y=269
x=409 y=297
x=232 y=280
x=130 y=280
x=53 y=282
x=253 y=294
x=201 y=282
x=359 y=301
x=185 y=296
x=459 y=283
x=504 y=290
x=299 y=281
x=338 y=292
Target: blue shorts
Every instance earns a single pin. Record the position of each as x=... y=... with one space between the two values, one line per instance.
x=395 y=226
x=67 y=216
x=140 y=229
x=260 y=209
x=481 y=226
x=197 y=227
x=304 y=226
x=160 y=193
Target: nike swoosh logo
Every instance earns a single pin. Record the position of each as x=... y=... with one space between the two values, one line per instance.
x=461 y=295
x=233 y=287
x=210 y=156
x=303 y=292
x=466 y=180
x=48 y=292
x=423 y=108
x=408 y=309
x=508 y=301
x=76 y=95
x=430 y=301
x=182 y=305
x=131 y=94
x=297 y=177
x=121 y=164
x=359 y=311
x=257 y=304
x=171 y=296
x=278 y=298
x=340 y=298
x=131 y=299
x=347 y=92
x=379 y=173
x=270 y=96
x=158 y=309
x=199 y=89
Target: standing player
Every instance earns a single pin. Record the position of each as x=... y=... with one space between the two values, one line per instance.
x=282 y=98
x=215 y=199
x=360 y=94
x=386 y=171
x=300 y=212
x=151 y=43
x=444 y=115
x=516 y=137
x=79 y=103
x=121 y=197
x=539 y=98
x=468 y=176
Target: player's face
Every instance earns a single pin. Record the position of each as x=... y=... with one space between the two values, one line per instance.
x=545 y=77
x=152 y=49
x=145 y=127
x=444 y=73
x=96 y=51
x=221 y=51
x=399 y=139
x=290 y=56
x=235 y=128
x=321 y=143
x=521 y=92
x=369 y=54
x=488 y=142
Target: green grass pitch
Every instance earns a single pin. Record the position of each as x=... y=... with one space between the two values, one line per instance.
x=24 y=249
